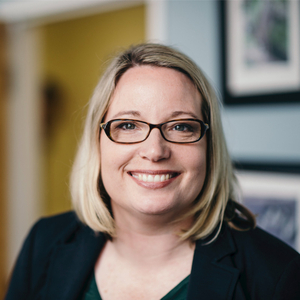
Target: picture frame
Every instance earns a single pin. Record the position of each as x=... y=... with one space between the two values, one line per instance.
x=271 y=166
x=275 y=200
x=260 y=51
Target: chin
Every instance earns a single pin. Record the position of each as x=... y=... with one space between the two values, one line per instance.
x=158 y=207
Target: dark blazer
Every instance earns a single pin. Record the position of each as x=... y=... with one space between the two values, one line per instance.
x=59 y=254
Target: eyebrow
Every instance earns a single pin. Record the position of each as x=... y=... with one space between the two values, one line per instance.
x=176 y=114
x=135 y=113
x=128 y=112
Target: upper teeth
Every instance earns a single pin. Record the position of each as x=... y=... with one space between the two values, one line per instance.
x=152 y=178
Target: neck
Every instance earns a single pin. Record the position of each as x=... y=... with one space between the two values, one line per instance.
x=150 y=239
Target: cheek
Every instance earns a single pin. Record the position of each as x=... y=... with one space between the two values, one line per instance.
x=108 y=166
x=195 y=160
x=113 y=159
x=198 y=176
x=195 y=163
x=198 y=167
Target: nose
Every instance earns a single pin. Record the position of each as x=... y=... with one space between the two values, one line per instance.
x=155 y=147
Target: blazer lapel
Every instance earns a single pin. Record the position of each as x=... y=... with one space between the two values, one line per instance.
x=213 y=276
x=71 y=265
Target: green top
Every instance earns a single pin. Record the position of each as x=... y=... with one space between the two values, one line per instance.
x=179 y=292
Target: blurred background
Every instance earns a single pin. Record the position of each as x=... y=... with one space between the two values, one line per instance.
x=51 y=55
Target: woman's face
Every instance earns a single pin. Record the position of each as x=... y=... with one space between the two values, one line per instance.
x=135 y=175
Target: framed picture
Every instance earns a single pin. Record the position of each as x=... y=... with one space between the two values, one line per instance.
x=275 y=199
x=260 y=51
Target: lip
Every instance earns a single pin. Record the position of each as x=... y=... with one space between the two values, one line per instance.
x=154 y=185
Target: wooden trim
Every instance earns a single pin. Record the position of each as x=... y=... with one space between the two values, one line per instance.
x=3 y=159
x=24 y=205
x=156 y=21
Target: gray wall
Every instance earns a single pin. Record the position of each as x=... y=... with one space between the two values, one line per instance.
x=259 y=133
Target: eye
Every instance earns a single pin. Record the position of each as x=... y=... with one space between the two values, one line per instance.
x=183 y=127
x=127 y=126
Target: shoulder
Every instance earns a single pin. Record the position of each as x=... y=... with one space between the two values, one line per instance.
x=57 y=223
x=262 y=258
x=54 y=228
x=48 y=255
x=33 y=258
x=46 y=234
x=263 y=245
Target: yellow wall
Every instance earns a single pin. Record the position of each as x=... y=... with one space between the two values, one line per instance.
x=73 y=55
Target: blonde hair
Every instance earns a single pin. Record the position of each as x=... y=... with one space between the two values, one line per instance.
x=216 y=200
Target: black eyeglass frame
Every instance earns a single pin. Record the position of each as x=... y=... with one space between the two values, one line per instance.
x=106 y=128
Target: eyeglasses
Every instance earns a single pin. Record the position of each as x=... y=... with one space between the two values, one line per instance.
x=127 y=131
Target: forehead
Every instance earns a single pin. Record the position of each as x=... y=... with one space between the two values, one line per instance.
x=154 y=91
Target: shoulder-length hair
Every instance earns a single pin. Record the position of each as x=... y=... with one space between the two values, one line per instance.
x=214 y=204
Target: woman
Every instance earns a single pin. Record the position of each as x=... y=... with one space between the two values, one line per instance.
x=154 y=186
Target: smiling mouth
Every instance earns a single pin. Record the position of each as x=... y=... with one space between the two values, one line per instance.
x=153 y=177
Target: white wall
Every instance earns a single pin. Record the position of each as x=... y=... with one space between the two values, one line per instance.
x=260 y=133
